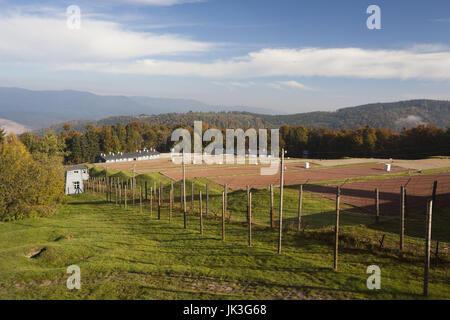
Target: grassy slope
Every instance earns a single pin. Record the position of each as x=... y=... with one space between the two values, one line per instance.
x=128 y=255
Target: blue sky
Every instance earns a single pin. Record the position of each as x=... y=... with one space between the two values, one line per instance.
x=288 y=56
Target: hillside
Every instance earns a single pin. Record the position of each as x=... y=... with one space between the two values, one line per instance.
x=38 y=109
x=395 y=115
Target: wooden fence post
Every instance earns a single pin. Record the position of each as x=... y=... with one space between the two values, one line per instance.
x=223 y=216
x=159 y=203
x=146 y=192
x=272 y=220
x=225 y=188
x=377 y=205
x=120 y=196
x=248 y=199
x=161 y=187
x=427 y=247
x=201 y=212
x=192 y=198
x=170 y=204
x=207 y=199
x=336 y=230
x=107 y=193
x=402 y=218
x=433 y=196
x=125 y=195
x=133 y=191
x=151 y=201
x=181 y=196
x=250 y=219
x=280 y=229
x=300 y=202
x=171 y=192
x=140 y=199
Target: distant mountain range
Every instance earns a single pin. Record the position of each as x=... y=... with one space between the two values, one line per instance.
x=37 y=109
x=50 y=109
x=396 y=116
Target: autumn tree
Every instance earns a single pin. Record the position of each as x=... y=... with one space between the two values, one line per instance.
x=29 y=185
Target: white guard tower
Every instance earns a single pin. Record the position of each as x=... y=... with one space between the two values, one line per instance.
x=75 y=175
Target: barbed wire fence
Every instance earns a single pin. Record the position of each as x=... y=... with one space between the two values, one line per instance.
x=393 y=210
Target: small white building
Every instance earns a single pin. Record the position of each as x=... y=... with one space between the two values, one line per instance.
x=75 y=175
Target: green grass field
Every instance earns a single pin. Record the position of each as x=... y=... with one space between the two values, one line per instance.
x=125 y=254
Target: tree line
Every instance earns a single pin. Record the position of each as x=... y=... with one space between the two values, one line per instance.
x=76 y=147
x=418 y=142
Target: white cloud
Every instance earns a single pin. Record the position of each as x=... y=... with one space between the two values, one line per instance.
x=235 y=84
x=409 y=121
x=242 y=84
x=105 y=46
x=430 y=47
x=32 y=38
x=295 y=84
x=332 y=62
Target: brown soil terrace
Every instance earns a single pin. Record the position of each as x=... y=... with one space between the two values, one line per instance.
x=360 y=194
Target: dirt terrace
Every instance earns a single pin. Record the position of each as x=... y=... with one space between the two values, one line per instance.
x=419 y=189
x=296 y=174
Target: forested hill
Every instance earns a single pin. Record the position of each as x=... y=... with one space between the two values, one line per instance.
x=396 y=116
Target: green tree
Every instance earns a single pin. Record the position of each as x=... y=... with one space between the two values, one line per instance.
x=90 y=143
x=31 y=141
x=28 y=185
x=51 y=145
x=77 y=151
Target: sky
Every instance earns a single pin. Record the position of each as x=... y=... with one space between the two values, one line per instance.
x=290 y=56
